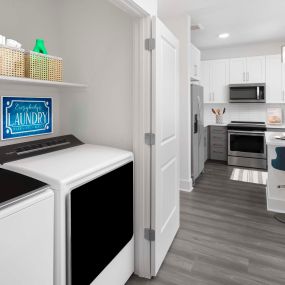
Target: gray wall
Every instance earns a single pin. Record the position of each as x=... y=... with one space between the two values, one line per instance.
x=95 y=40
x=30 y=19
x=25 y=21
x=97 y=49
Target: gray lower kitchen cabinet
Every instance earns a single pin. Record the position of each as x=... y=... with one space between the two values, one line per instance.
x=218 y=143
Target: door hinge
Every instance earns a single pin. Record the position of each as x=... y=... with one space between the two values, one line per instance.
x=149 y=234
x=150 y=44
x=149 y=138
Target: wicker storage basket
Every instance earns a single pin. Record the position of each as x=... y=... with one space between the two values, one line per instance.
x=43 y=67
x=12 y=61
x=55 y=68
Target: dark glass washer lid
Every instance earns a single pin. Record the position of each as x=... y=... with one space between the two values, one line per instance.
x=14 y=185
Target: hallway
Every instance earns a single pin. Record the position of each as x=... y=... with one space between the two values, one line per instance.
x=226 y=236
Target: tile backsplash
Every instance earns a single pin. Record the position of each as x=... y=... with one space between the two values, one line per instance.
x=240 y=112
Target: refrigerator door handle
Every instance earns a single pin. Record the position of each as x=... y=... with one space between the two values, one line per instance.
x=199 y=119
x=196 y=123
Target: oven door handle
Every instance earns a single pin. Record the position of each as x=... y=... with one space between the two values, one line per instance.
x=246 y=132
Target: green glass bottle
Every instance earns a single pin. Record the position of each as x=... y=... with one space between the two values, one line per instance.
x=40 y=46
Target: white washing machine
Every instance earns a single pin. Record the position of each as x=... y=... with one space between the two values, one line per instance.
x=26 y=230
x=93 y=188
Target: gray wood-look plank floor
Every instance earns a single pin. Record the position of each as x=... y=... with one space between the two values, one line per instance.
x=226 y=236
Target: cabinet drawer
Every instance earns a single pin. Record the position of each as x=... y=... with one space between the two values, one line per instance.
x=219 y=153
x=218 y=130
x=276 y=184
x=219 y=143
x=218 y=137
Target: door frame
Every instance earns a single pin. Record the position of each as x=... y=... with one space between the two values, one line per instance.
x=141 y=90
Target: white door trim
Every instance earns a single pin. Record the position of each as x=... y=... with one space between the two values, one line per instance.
x=141 y=89
x=142 y=125
x=130 y=7
x=186 y=185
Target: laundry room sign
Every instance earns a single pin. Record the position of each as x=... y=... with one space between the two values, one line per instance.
x=23 y=117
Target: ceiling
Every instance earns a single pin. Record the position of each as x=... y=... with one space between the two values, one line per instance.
x=247 y=21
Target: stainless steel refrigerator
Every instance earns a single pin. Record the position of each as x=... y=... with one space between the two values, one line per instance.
x=197 y=125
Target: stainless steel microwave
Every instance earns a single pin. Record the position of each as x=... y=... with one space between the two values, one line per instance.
x=247 y=93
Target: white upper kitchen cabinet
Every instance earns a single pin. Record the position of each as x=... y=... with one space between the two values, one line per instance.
x=195 y=63
x=247 y=70
x=255 y=69
x=275 y=82
x=237 y=70
x=215 y=80
x=283 y=82
x=220 y=80
x=205 y=80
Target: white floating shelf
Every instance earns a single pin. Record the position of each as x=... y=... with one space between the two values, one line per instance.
x=34 y=82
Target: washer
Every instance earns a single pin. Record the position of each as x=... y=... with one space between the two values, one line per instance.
x=93 y=188
x=27 y=230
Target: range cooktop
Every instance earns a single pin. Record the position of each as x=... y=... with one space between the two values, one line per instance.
x=247 y=125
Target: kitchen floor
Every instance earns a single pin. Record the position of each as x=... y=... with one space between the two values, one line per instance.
x=226 y=236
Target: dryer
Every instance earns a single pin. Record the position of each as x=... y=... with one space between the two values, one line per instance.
x=93 y=188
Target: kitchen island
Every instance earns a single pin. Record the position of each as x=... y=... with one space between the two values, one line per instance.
x=275 y=191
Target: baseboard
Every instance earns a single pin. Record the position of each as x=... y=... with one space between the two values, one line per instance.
x=186 y=185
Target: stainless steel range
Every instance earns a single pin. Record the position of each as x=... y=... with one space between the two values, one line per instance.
x=246 y=144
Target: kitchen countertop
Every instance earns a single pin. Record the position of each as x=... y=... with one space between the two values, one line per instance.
x=275 y=126
x=267 y=126
x=271 y=140
x=214 y=124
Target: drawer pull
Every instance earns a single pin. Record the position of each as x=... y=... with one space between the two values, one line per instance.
x=218 y=132
x=281 y=186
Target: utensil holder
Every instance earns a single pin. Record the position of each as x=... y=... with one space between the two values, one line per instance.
x=219 y=119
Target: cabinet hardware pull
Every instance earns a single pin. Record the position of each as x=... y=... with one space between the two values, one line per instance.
x=247 y=76
x=281 y=186
x=243 y=76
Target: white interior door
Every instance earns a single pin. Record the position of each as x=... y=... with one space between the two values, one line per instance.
x=165 y=152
